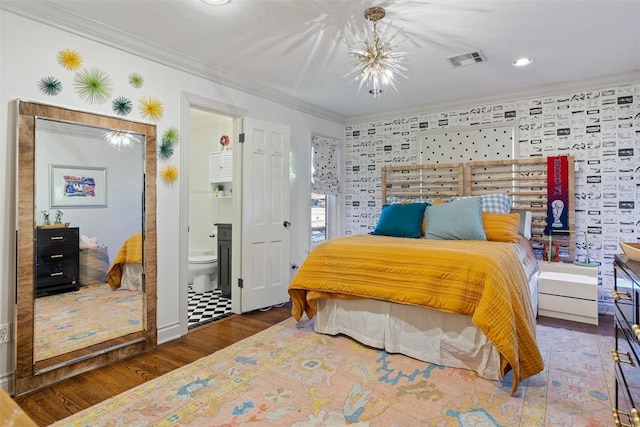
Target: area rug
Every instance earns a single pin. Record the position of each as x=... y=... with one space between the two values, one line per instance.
x=74 y=320
x=289 y=375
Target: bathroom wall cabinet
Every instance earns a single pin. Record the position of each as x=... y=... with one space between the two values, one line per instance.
x=221 y=167
x=224 y=259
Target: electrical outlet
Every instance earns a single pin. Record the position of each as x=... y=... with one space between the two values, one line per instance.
x=5 y=333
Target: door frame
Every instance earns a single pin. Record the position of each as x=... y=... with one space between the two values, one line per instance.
x=190 y=100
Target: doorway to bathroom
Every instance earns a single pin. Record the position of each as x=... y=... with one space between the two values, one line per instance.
x=210 y=215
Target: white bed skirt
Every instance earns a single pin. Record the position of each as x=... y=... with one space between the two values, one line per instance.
x=418 y=332
x=422 y=333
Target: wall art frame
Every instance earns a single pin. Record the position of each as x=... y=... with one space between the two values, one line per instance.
x=78 y=186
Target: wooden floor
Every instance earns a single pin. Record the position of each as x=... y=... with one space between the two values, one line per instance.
x=75 y=394
x=66 y=398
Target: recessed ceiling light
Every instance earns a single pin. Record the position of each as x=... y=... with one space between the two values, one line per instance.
x=216 y=2
x=521 y=62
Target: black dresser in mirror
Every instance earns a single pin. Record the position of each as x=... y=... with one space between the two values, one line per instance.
x=57 y=260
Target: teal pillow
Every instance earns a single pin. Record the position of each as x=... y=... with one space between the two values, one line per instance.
x=457 y=220
x=401 y=220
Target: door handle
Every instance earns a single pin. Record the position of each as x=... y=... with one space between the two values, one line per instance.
x=286 y=224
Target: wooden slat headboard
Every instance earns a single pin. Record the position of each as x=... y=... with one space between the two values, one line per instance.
x=419 y=182
x=524 y=180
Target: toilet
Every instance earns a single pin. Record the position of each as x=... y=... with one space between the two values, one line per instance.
x=203 y=272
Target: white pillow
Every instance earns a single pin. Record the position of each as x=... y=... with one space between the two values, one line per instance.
x=524 y=228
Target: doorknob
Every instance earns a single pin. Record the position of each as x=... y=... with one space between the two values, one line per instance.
x=286 y=224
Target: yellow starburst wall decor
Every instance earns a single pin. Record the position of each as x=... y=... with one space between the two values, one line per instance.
x=151 y=108
x=70 y=59
x=169 y=174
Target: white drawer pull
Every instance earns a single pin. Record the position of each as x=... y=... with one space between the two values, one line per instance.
x=56 y=274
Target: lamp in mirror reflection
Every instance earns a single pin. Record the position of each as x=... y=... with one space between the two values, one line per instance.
x=377 y=62
x=119 y=139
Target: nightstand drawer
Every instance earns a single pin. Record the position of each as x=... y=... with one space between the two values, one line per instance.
x=578 y=310
x=568 y=285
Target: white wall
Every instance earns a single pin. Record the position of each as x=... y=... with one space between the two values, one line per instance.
x=205 y=209
x=28 y=51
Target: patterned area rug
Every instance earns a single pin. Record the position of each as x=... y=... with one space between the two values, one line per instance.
x=74 y=320
x=290 y=376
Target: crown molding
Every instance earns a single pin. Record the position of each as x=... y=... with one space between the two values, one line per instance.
x=623 y=79
x=60 y=18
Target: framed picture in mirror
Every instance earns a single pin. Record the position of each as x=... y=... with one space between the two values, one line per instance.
x=78 y=187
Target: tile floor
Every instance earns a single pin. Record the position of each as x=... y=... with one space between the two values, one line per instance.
x=207 y=307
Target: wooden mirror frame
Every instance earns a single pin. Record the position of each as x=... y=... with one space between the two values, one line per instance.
x=26 y=378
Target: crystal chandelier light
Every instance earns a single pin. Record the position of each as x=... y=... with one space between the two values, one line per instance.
x=376 y=62
x=120 y=139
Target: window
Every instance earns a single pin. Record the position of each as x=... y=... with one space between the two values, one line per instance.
x=318 y=218
x=324 y=187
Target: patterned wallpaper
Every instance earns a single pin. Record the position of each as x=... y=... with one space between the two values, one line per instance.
x=599 y=128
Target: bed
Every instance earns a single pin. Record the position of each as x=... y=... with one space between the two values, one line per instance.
x=126 y=271
x=460 y=303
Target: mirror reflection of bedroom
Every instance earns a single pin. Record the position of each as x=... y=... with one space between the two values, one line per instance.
x=210 y=215
x=100 y=236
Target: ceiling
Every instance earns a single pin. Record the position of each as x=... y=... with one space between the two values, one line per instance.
x=294 y=50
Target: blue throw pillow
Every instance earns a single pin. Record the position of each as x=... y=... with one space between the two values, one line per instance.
x=401 y=220
x=457 y=220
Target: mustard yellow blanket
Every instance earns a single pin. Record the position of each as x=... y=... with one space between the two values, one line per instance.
x=130 y=251
x=484 y=280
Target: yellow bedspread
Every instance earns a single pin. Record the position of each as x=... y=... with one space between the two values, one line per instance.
x=484 y=280
x=131 y=251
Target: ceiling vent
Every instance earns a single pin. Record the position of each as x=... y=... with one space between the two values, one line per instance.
x=467 y=59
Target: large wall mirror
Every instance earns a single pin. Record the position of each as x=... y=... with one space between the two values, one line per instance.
x=86 y=242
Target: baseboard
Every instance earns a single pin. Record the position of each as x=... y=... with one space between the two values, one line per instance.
x=6 y=383
x=168 y=333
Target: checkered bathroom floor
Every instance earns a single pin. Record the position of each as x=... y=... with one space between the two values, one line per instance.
x=207 y=307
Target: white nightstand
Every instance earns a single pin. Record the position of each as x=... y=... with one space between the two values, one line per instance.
x=568 y=291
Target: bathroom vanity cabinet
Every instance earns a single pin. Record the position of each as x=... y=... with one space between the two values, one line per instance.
x=224 y=259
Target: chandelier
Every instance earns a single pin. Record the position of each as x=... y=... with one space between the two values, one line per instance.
x=120 y=139
x=376 y=62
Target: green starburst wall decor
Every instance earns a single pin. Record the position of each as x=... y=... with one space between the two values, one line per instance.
x=93 y=85
x=122 y=105
x=171 y=135
x=165 y=150
x=136 y=80
x=50 y=86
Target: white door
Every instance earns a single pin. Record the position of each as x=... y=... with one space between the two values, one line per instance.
x=265 y=214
